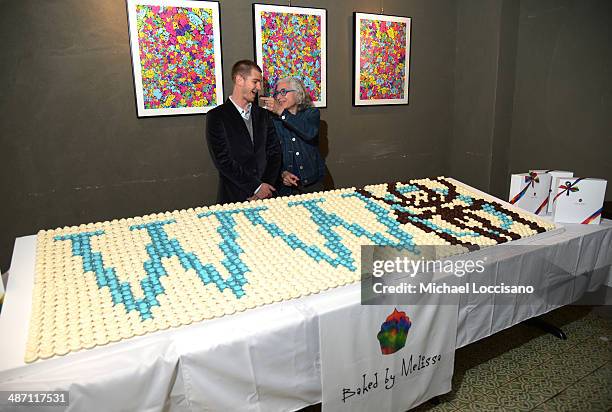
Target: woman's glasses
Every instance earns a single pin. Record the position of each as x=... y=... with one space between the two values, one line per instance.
x=282 y=92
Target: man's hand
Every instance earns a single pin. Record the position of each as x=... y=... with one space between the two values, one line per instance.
x=289 y=179
x=265 y=191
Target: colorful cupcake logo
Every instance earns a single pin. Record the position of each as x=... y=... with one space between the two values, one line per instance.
x=393 y=332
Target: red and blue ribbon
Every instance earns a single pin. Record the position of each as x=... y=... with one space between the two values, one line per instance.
x=542 y=206
x=592 y=217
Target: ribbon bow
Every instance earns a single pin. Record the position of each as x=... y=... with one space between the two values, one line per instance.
x=567 y=188
x=533 y=178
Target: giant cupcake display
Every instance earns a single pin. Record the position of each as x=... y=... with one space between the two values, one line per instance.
x=104 y=282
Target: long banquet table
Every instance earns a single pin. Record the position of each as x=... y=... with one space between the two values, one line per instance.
x=267 y=358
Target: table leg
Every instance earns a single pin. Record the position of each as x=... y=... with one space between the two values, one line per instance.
x=546 y=327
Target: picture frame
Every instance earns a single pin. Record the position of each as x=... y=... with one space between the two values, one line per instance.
x=381 y=59
x=176 y=56
x=292 y=42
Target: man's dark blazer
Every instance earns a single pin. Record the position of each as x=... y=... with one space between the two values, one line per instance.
x=243 y=165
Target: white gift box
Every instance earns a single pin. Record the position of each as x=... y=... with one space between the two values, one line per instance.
x=579 y=200
x=553 y=183
x=530 y=191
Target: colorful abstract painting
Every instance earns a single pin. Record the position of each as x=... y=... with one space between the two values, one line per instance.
x=290 y=42
x=176 y=56
x=382 y=45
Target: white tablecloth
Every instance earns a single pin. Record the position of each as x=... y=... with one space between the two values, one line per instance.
x=267 y=358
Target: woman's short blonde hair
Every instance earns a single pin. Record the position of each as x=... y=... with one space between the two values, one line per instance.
x=302 y=96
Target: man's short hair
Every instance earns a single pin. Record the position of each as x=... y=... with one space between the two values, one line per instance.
x=243 y=68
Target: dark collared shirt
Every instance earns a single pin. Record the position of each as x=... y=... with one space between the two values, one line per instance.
x=299 y=138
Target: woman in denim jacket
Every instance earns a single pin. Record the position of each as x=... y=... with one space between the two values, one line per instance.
x=297 y=126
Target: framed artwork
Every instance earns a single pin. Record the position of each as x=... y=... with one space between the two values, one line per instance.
x=176 y=56
x=381 y=59
x=291 y=42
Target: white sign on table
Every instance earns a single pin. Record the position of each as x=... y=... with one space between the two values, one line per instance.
x=386 y=358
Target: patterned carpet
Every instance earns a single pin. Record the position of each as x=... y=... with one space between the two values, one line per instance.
x=524 y=369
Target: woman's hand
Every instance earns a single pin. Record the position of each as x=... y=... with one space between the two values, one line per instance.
x=271 y=104
x=289 y=179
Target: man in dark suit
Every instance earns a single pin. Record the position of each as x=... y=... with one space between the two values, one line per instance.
x=242 y=140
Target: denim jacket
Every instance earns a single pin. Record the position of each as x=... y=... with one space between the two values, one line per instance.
x=299 y=138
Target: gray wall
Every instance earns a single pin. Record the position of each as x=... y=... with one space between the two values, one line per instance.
x=484 y=88
x=563 y=98
x=533 y=90
x=73 y=150
x=496 y=87
x=477 y=71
